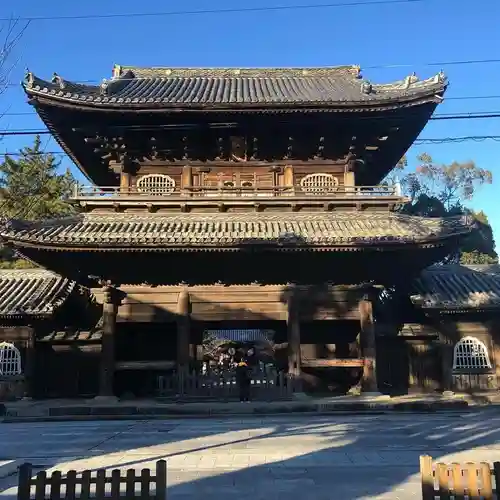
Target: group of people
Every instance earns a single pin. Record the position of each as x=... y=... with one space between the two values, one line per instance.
x=242 y=362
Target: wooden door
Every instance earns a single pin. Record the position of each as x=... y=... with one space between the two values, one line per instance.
x=392 y=365
x=425 y=365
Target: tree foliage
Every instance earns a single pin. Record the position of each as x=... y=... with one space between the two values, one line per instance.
x=443 y=190
x=32 y=188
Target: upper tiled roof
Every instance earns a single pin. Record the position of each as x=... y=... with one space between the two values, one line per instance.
x=32 y=292
x=458 y=287
x=206 y=88
x=157 y=231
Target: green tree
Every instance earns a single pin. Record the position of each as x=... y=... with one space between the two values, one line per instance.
x=439 y=190
x=31 y=188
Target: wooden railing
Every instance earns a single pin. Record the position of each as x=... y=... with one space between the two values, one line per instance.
x=227 y=192
x=446 y=481
x=84 y=485
x=274 y=385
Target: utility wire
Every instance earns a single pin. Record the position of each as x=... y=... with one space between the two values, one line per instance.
x=433 y=140
x=440 y=116
x=243 y=10
x=439 y=64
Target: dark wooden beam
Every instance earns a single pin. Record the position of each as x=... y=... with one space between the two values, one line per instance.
x=367 y=337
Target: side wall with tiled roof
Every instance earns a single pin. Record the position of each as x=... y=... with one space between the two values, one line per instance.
x=37 y=307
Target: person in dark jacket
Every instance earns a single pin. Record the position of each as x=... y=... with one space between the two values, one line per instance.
x=244 y=380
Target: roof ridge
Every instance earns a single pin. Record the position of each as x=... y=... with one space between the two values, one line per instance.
x=355 y=70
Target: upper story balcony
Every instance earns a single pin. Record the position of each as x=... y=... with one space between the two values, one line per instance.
x=228 y=196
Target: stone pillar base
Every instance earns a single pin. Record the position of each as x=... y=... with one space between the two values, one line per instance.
x=374 y=394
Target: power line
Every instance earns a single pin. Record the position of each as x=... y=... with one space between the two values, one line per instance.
x=467 y=138
x=471 y=97
x=429 y=140
x=439 y=64
x=214 y=11
x=23 y=132
x=466 y=116
x=440 y=116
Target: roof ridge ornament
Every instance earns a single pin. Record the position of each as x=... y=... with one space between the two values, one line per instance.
x=366 y=87
x=57 y=80
x=440 y=77
x=410 y=80
x=29 y=78
x=117 y=71
x=103 y=87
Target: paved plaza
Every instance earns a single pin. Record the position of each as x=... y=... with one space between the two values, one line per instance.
x=335 y=457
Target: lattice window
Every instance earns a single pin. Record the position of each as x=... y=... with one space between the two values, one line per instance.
x=241 y=335
x=156 y=184
x=10 y=359
x=319 y=183
x=470 y=353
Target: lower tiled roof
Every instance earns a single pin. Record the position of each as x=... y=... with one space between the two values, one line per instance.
x=32 y=292
x=157 y=231
x=73 y=336
x=458 y=287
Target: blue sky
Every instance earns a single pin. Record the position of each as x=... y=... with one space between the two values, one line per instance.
x=411 y=35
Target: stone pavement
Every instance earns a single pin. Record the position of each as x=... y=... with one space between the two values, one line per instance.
x=334 y=457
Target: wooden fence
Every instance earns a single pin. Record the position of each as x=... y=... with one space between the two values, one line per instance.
x=458 y=482
x=76 y=485
x=275 y=385
x=474 y=382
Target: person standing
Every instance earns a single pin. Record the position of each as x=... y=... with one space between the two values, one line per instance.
x=244 y=380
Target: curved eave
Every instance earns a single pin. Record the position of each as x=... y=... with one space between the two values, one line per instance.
x=26 y=316
x=358 y=246
x=443 y=310
x=48 y=96
x=100 y=176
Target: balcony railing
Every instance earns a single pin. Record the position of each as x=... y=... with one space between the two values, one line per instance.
x=228 y=192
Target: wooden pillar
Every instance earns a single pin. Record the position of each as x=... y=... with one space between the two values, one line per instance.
x=112 y=300
x=288 y=178
x=446 y=366
x=293 y=333
x=349 y=183
x=125 y=181
x=187 y=179
x=183 y=332
x=368 y=347
x=29 y=365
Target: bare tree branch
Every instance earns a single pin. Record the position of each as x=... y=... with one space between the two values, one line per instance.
x=10 y=33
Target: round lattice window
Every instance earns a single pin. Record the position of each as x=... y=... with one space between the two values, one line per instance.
x=469 y=354
x=156 y=184
x=10 y=359
x=319 y=183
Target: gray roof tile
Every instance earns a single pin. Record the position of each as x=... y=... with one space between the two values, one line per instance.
x=226 y=87
x=32 y=292
x=458 y=287
x=233 y=229
x=73 y=336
